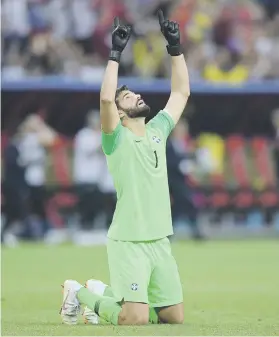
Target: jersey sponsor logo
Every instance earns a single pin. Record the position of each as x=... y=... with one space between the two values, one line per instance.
x=134 y=286
x=156 y=139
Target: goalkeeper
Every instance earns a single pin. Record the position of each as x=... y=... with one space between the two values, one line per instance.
x=143 y=271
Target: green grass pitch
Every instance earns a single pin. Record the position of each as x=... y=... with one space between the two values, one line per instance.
x=230 y=288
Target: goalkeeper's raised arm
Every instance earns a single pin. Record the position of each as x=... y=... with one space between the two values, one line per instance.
x=180 y=88
x=109 y=112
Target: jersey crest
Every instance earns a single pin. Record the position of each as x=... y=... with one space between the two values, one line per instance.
x=156 y=139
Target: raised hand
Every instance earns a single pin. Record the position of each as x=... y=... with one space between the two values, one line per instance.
x=170 y=30
x=120 y=36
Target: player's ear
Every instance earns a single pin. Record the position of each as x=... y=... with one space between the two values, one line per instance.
x=121 y=114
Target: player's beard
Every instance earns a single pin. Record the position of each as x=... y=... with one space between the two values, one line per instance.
x=138 y=111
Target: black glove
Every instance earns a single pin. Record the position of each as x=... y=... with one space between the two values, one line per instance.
x=171 y=33
x=120 y=38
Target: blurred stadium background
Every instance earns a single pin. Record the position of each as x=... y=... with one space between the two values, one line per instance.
x=223 y=157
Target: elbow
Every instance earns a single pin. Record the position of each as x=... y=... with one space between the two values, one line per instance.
x=185 y=91
x=106 y=99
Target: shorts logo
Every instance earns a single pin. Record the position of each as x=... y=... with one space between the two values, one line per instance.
x=156 y=139
x=134 y=286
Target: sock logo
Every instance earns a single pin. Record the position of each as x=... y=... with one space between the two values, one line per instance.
x=134 y=286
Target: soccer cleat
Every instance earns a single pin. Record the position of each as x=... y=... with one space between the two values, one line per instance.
x=90 y=317
x=96 y=287
x=70 y=307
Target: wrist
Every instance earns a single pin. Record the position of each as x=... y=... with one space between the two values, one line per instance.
x=174 y=50
x=115 y=55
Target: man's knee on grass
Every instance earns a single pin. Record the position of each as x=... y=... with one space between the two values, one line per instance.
x=171 y=315
x=134 y=314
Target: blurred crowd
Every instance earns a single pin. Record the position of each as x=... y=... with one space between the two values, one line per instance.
x=32 y=211
x=25 y=161
x=27 y=203
x=224 y=40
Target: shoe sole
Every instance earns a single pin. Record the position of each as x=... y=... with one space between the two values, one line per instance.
x=64 y=300
x=85 y=320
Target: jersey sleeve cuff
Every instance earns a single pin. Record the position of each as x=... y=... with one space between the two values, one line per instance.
x=114 y=131
x=168 y=117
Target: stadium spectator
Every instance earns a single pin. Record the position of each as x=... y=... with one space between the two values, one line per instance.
x=149 y=55
x=37 y=136
x=180 y=163
x=24 y=179
x=226 y=69
x=16 y=27
x=15 y=191
x=88 y=171
x=42 y=58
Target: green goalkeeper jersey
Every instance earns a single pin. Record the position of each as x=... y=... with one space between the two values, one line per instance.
x=139 y=171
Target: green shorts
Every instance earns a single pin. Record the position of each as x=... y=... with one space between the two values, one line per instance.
x=144 y=272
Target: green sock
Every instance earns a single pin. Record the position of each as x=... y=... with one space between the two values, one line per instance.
x=106 y=307
x=108 y=292
x=153 y=317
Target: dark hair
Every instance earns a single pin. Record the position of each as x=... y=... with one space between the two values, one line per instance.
x=118 y=92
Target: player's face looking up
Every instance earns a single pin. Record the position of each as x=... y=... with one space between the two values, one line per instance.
x=131 y=104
